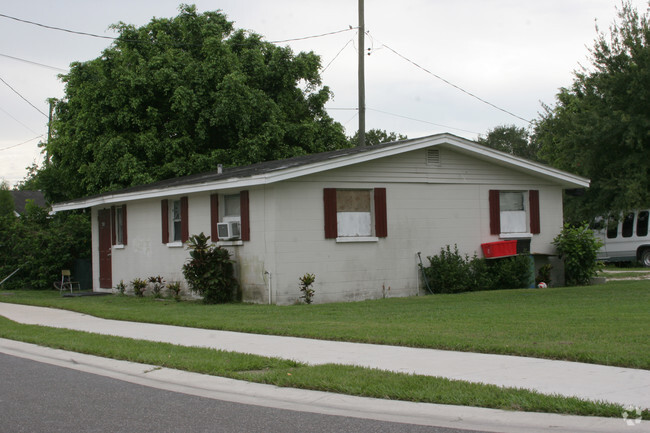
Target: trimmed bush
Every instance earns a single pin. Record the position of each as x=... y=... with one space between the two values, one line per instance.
x=210 y=272
x=578 y=247
x=452 y=272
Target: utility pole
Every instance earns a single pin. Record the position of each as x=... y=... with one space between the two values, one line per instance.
x=362 y=85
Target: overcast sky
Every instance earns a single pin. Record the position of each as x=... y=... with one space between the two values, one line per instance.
x=513 y=54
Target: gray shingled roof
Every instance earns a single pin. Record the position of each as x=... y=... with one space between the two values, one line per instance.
x=21 y=197
x=249 y=170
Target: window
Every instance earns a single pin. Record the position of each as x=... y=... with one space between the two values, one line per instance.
x=118 y=222
x=230 y=208
x=612 y=227
x=176 y=220
x=628 y=225
x=355 y=213
x=353 y=217
x=514 y=212
x=119 y=225
x=174 y=217
x=642 y=224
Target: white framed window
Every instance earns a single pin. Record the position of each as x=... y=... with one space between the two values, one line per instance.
x=231 y=208
x=514 y=217
x=354 y=213
x=119 y=225
x=175 y=219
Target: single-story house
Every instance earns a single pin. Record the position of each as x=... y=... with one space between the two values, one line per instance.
x=355 y=218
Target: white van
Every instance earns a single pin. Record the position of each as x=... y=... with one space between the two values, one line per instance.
x=625 y=238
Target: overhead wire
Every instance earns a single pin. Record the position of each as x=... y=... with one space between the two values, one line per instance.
x=148 y=41
x=57 y=28
x=24 y=142
x=337 y=54
x=18 y=121
x=33 y=63
x=24 y=99
x=422 y=121
x=455 y=86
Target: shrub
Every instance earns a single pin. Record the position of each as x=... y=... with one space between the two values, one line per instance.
x=510 y=272
x=210 y=272
x=174 y=288
x=451 y=272
x=157 y=286
x=448 y=272
x=121 y=287
x=578 y=246
x=306 y=282
x=139 y=286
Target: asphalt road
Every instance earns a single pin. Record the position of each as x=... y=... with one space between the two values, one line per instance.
x=37 y=397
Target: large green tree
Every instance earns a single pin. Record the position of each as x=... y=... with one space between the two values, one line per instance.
x=511 y=139
x=179 y=96
x=600 y=126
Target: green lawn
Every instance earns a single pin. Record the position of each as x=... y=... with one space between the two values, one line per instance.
x=606 y=324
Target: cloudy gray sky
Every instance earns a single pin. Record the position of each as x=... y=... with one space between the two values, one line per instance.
x=514 y=54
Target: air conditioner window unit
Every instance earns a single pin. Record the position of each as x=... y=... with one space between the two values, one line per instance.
x=228 y=231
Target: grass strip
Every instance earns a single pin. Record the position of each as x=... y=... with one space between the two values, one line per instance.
x=333 y=378
x=605 y=324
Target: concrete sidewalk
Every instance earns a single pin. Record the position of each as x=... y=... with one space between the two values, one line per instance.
x=594 y=382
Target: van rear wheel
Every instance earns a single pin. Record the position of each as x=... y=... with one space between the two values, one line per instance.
x=645 y=258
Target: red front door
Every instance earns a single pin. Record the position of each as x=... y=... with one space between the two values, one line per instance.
x=105 y=267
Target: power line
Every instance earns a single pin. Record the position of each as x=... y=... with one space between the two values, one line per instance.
x=18 y=121
x=314 y=36
x=422 y=121
x=20 y=144
x=33 y=63
x=337 y=54
x=113 y=38
x=403 y=117
x=455 y=86
x=24 y=99
x=57 y=28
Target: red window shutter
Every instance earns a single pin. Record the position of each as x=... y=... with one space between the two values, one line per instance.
x=329 y=201
x=113 y=231
x=244 y=216
x=495 y=212
x=124 y=230
x=533 y=198
x=164 y=216
x=381 y=221
x=185 y=229
x=214 y=217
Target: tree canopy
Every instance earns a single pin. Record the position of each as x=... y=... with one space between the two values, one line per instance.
x=600 y=126
x=511 y=139
x=377 y=136
x=179 y=96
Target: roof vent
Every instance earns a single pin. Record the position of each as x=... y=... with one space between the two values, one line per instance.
x=433 y=156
